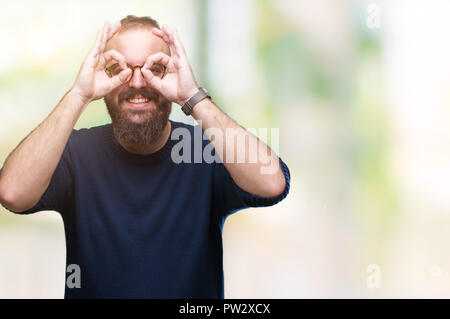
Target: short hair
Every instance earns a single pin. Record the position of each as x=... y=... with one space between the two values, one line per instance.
x=131 y=21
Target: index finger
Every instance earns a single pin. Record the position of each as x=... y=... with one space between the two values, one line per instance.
x=106 y=29
x=95 y=51
x=98 y=47
x=116 y=56
x=158 y=57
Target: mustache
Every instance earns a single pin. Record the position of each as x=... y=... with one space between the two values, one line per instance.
x=151 y=95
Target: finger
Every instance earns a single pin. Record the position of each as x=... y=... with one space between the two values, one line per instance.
x=114 y=55
x=169 y=32
x=98 y=44
x=174 y=44
x=121 y=78
x=152 y=80
x=158 y=32
x=106 y=25
x=93 y=56
x=165 y=33
x=149 y=77
x=106 y=28
x=160 y=35
x=165 y=37
x=96 y=48
x=178 y=44
x=159 y=57
x=114 y=29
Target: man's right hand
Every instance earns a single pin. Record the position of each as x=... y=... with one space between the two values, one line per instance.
x=28 y=170
x=92 y=82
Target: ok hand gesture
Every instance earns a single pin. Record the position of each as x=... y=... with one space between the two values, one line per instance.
x=178 y=85
x=92 y=82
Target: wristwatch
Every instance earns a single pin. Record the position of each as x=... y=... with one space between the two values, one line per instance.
x=197 y=97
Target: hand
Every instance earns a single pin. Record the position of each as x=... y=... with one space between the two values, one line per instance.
x=178 y=84
x=92 y=82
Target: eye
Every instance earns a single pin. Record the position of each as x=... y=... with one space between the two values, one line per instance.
x=113 y=70
x=158 y=70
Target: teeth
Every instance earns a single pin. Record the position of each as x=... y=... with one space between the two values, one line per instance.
x=137 y=101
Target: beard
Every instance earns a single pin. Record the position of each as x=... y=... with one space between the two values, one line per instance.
x=151 y=123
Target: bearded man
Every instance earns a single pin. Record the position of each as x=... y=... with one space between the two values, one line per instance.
x=140 y=223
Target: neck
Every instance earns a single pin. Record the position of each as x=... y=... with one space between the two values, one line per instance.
x=150 y=148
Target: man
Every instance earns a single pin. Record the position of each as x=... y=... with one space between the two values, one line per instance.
x=140 y=223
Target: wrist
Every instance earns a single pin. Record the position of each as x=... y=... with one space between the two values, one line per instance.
x=76 y=100
x=202 y=109
x=197 y=97
x=189 y=95
x=77 y=97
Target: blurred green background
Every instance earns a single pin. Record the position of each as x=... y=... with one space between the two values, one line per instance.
x=362 y=114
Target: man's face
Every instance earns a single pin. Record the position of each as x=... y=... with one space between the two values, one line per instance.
x=139 y=114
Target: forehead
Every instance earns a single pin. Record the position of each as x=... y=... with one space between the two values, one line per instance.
x=136 y=45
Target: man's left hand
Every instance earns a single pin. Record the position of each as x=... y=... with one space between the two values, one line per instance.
x=178 y=84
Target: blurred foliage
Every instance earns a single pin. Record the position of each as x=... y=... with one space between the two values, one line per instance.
x=375 y=194
x=291 y=67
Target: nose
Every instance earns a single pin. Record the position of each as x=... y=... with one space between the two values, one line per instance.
x=137 y=80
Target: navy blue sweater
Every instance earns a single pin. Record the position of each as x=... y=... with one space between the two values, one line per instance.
x=143 y=226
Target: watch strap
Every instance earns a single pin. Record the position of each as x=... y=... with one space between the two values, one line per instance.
x=197 y=97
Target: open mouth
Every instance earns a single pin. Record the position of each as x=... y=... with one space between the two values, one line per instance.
x=137 y=102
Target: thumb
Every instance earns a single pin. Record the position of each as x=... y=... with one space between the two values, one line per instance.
x=154 y=81
x=121 y=78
